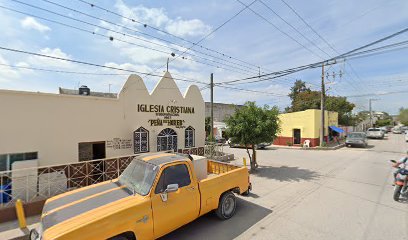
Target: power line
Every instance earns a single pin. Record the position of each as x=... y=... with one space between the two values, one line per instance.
x=377 y=94
x=277 y=28
x=254 y=91
x=294 y=28
x=213 y=31
x=119 y=33
x=94 y=64
x=320 y=36
x=318 y=64
x=63 y=71
x=162 y=31
x=140 y=32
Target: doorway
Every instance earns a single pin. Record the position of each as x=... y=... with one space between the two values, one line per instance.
x=296 y=136
x=91 y=151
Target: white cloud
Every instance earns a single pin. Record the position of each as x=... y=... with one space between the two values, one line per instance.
x=31 y=23
x=7 y=73
x=49 y=62
x=194 y=27
x=157 y=17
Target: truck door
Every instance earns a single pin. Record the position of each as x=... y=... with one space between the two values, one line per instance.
x=181 y=206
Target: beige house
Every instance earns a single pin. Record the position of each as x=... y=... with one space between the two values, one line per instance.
x=49 y=129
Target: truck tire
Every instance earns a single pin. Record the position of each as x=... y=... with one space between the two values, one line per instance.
x=397 y=192
x=226 y=206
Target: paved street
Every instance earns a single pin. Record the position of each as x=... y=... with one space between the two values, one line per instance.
x=342 y=194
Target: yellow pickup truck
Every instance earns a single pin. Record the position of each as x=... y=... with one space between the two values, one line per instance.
x=156 y=194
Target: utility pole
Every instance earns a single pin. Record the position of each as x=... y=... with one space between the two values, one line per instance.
x=322 y=108
x=371 y=111
x=212 y=107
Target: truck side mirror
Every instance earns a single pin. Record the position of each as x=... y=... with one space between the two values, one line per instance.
x=170 y=188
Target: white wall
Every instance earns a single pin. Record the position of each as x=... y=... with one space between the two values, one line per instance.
x=54 y=124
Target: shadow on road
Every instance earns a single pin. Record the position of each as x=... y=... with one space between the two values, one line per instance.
x=210 y=227
x=285 y=173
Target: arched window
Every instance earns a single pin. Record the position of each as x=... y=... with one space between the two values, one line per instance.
x=141 y=140
x=167 y=140
x=189 y=137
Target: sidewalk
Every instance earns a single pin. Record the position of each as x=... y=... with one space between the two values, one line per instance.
x=11 y=230
x=310 y=148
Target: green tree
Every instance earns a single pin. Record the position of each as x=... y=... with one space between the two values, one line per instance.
x=303 y=98
x=383 y=122
x=306 y=100
x=403 y=116
x=251 y=125
x=343 y=107
x=298 y=88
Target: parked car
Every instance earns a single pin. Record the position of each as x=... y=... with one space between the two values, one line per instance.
x=375 y=133
x=406 y=136
x=155 y=194
x=237 y=145
x=384 y=129
x=262 y=145
x=397 y=130
x=220 y=140
x=356 y=139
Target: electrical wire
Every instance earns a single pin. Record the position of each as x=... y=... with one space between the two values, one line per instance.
x=63 y=71
x=140 y=32
x=326 y=62
x=212 y=32
x=92 y=5
x=244 y=71
x=280 y=30
x=322 y=38
x=294 y=28
x=94 y=64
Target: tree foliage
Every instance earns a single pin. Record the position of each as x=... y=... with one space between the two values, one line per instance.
x=303 y=98
x=383 y=122
x=403 y=116
x=251 y=125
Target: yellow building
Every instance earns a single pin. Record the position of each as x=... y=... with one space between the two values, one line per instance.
x=297 y=127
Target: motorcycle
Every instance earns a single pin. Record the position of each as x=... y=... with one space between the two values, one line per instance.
x=400 y=181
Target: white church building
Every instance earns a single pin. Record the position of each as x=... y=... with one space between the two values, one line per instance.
x=51 y=129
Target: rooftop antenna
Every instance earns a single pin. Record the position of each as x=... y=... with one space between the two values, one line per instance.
x=167 y=64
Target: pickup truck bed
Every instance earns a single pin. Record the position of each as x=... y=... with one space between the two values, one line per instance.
x=220 y=176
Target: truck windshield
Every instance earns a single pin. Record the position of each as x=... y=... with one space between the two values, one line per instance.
x=139 y=176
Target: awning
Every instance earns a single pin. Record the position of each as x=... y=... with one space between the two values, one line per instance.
x=336 y=129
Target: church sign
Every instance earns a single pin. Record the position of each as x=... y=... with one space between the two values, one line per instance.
x=164 y=109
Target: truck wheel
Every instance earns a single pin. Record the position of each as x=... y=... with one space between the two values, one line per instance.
x=397 y=192
x=226 y=207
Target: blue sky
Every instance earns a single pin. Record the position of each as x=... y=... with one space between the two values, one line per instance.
x=344 y=24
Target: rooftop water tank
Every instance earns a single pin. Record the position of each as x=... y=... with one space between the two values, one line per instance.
x=84 y=90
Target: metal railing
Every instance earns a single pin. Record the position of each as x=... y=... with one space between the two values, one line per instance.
x=39 y=183
x=213 y=150
x=34 y=184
